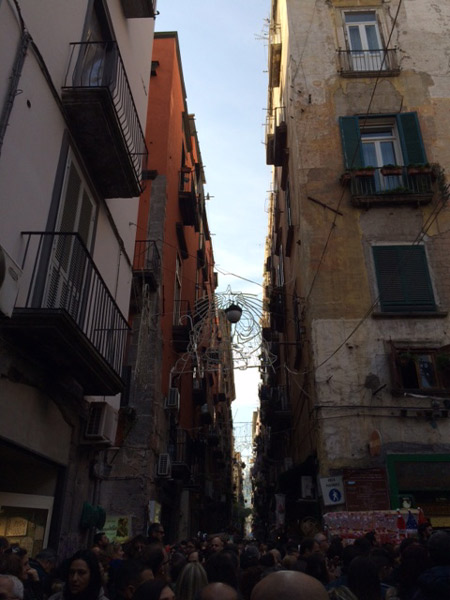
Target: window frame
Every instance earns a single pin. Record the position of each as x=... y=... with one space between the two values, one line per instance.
x=403 y=358
x=403 y=295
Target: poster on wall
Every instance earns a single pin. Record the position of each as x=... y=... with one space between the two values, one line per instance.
x=117 y=528
x=154 y=512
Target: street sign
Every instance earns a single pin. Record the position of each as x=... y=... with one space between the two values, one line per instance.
x=332 y=490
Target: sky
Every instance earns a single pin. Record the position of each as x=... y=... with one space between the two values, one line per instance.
x=223 y=49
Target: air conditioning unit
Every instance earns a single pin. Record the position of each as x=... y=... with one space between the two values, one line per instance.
x=164 y=468
x=102 y=423
x=173 y=399
x=10 y=274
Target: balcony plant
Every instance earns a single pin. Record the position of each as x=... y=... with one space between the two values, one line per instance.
x=391 y=170
x=419 y=169
x=348 y=174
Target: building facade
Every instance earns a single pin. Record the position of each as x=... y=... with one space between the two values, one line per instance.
x=174 y=461
x=73 y=111
x=357 y=291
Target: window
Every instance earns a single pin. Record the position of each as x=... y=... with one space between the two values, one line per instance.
x=394 y=138
x=67 y=271
x=421 y=369
x=388 y=145
x=364 y=41
x=404 y=283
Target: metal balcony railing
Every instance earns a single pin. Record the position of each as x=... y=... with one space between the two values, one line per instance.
x=99 y=65
x=147 y=257
x=64 y=277
x=368 y=62
x=380 y=182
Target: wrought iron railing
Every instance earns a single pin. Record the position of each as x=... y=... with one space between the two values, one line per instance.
x=147 y=257
x=180 y=447
x=64 y=277
x=383 y=61
x=100 y=65
x=380 y=181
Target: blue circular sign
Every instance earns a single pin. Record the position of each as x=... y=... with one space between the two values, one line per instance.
x=335 y=495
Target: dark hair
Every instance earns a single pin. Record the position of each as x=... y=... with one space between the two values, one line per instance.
x=439 y=548
x=317 y=568
x=154 y=528
x=307 y=544
x=153 y=556
x=129 y=573
x=47 y=554
x=95 y=581
x=129 y=547
x=220 y=568
x=150 y=590
x=363 y=579
x=415 y=560
x=98 y=536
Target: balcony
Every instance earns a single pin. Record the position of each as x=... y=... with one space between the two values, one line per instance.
x=103 y=119
x=182 y=326
x=138 y=9
x=368 y=63
x=180 y=454
x=68 y=320
x=382 y=186
x=277 y=308
x=147 y=263
x=187 y=198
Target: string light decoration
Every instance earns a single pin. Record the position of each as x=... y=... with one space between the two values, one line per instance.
x=229 y=320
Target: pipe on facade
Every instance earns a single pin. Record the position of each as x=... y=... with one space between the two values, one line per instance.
x=13 y=88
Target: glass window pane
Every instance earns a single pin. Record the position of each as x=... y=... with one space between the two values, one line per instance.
x=372 y=37
x=369 y=154
x=355 y=38
x=359 y=17
x=387 y=153
x=426 y=370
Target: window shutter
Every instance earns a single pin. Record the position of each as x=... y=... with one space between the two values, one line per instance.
x=351 y=142
x=404 y=283
x=411 y=138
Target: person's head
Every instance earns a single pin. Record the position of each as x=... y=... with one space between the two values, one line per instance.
x=156 y=532
x=216 y=544
x=130 y=575
x=384 y=562
x=83 y=576
x=425 y=530
x=221 y=567
x=195 y=556
x=11 y=588
x=323 y=542
x=101 y=540
x=4 y=544
x=308 y=546
x=191 y=580
x=317 y=568
x=177 y=563
x=415 y=559
x=133 y=548
x=191 y=546
x=155 y=557
x=218 y=591
x=154 y=590
x=15 y=562
x=289 y=585
x=363 y=579
x=249 y=557
x=47 y=559
x=439 y=548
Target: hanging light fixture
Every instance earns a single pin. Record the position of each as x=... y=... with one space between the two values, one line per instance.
x=233 y=313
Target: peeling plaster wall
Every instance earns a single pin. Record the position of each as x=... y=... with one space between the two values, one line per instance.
x=337 y=286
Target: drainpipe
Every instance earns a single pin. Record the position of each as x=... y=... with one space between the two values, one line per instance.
x=13 y=90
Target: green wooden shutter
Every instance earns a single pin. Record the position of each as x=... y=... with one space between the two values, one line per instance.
x=411 y=138
x=404 y=283
x=351 y=142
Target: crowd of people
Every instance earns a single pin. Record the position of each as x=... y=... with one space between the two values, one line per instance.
x=215 y=567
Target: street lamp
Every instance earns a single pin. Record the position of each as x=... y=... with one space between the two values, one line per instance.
x=233 y=313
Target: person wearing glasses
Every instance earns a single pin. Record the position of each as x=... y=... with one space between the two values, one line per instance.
x=156 y=533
